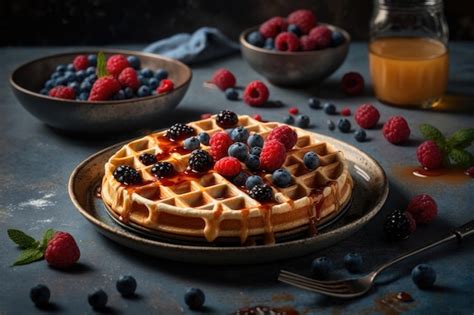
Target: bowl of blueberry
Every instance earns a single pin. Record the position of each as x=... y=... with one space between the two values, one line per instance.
x=296 y=50
x=108 y=91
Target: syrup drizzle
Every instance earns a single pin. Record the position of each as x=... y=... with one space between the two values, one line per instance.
x=266 y=310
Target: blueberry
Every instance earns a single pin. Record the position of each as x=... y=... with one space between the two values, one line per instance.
x=134 y=62
x=255 y=151
x=321 y=267
x=75 y=86
x=44 y=91
x=256 y=39
x=353 y=262
x=231 y=94
x=329 y=108
x=143 y=91
x=292 y=28
x=344 y=125
x=252 y=162
x=70 y=67
x=311 y=160
x=239 y=134
x=70 y=76
x=90 y=70
x=302 y=121
x=97 y=299
x=61 y=81
x=153 y=83
x=55 y=75
x=49 y=84
x=331 y=125
x=126 y=285
x=85 y=86
x=147 y=73
x=204 y=138
x=92 y=60
x=423 y=276
x=252 y=181
x=84 y=96
x=238 y=150
x=40 y=295
x=360 y=135
x=255 y=140
x=161 y=74
x=142 y=80
x=289 y=120
x=128 y=92
x=120 y=95
x=92 y=78
x=61 y=68
x=240 y=179
x=81 y=75
x=269 y=44
x=336 y=38
x=281 y=178
x=194 y=298
x=191 y=143
x=314 y=103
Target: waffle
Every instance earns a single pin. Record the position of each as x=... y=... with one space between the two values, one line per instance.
x=211 y=206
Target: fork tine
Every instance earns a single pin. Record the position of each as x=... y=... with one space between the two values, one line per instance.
x=311 y=288
x=319 y=282
x=309 y=284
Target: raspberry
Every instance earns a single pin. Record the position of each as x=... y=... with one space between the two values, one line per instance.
x=470 y=171
x=423 y=208
x=285 y=135
x=273 y=27
x=220 y=143
x=62 y=250
x=227 y=119
x=80 y=62
x=346 y=111
x=206 y=115
x=367 y=116
x=228 y=166
x=293 y=110
x=166 y=85
x=304 y=19
x=104 y=88
x=398 y=225
x=352 y=83
x=128 y=78
x=322 y=36
x=179 y=132
x=257 y=117
x=287 y=41
x=200 y=161
x=256 y=93
x=396 y=130
x=429 y=155
x=116 y=63
x=273 y=155
x=223 y=79
x=63 y=92
x=307 y=43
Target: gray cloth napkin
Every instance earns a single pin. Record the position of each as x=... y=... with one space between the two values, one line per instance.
x=205 y=44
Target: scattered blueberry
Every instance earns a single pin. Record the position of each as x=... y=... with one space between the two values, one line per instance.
x=353 y=262
x=146 y=73
x=204 y=138
x=252 y=162
x=255 y=140
x=281 y=178
x=231 y=94
x=126 y=285
x=142 y=80
x=61 y=68
x=238 y=150
x=90 y=70
x=311 y=160
x=40 y=295
x=294 y=29
x=269 y=44
x=128 y=92
x=256 y=39
x=75 y=86
x=331 y=125
x=314 y=103
x=191 y=143
x=360 y=135
x=344 y=125
x=144 y=91
x=92 y=60
x=134 y=62
x=329 y=108
x=252 y=181
x=81 y=75
x=120 y=95
x=161 y=74
x=239 y=134
x=153 y=83
x=55 y=75
x=85 y=86
x=97 y=299
x=240 y=179
x=289 y=120
x=70 y=76
x=70 y=67
x=194 y=298
x=424 y=276
x=302 y=121
x=336 y=38
x=321 y=267
x=84 y=96
x=255 y=151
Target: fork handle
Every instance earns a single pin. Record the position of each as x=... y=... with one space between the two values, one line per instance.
x=458 y=234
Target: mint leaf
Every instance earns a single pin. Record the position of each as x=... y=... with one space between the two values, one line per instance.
x=101 y=65
x=21 y=239
x=27 y=256
x=461 y=139
x=48 y=235
x=460 y=157
x=432 y=133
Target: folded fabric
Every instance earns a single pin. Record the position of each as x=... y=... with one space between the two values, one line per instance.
x=205 y=44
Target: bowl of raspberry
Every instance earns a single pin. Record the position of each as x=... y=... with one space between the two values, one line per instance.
x=296 y=50
x=97 y=92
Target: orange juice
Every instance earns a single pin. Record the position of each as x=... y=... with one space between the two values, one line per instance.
x=408 y=70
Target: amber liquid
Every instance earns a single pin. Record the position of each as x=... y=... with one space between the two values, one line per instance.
x=408 y=71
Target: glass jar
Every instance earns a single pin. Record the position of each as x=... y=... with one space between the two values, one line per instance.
x=408 y=52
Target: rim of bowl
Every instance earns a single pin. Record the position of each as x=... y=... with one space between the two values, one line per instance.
x=244 y=42
x=107 y=51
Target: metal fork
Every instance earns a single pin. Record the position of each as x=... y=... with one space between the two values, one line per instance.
x=356 y=287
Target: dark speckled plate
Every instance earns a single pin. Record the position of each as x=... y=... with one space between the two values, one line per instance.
x=369 y=195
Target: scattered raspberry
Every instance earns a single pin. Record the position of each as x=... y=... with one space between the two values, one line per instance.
x=256 y=93
x=423 y=208
x=304 y=19
x=206 y=115
x=166 y=85
x=257 y=117
x=396 y=130
x=429 y=155
x=287 y=41
x=273 y=27
x=104 y=88
x=352 y=83
x=346 y=111
x=293 y=110
x=116 y=63
x=228 y=166
x=220 y=143
x=367 y=116
x=128 y=78
x=322 y=36
x=307 y=43
x=284 y=134
x=62 y=250
x=224 y=79
x=273 y=155
x=470 y=171
x=80 y=62
x=63 y=92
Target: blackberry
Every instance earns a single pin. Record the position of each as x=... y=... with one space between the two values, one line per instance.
x=200 y=161
x=194 y=298
x=162 y=169
x=397 y=226
x=261 y=192
x=147 y=158
x=179 y=131
x=227 y=119
x=127 y=175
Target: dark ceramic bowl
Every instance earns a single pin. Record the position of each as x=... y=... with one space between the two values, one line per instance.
x=295 y=68
x=94 y=117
